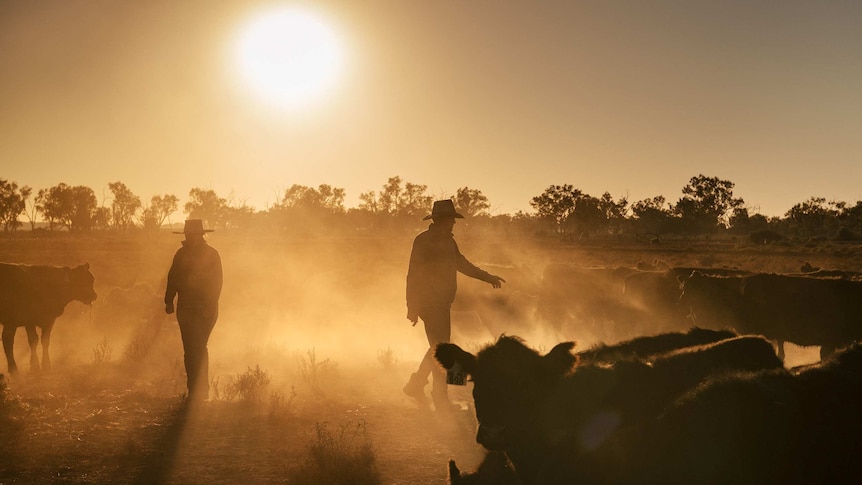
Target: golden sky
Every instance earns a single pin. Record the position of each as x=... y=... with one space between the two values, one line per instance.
x=631 y=97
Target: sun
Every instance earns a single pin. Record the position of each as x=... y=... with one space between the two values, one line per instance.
x=288 y=56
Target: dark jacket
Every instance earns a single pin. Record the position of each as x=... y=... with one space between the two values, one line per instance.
x=431 y=277
x=195 y=275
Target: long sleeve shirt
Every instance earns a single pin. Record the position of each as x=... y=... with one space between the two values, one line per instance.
x=195 y=276
x=434 y=262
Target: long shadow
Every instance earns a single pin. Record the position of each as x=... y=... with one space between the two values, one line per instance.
x=156 y=466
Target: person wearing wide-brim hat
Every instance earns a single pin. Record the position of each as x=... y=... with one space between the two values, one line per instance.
x=195 y=279
x=431 y=285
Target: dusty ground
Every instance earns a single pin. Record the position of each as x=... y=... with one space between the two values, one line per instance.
x=323 y=323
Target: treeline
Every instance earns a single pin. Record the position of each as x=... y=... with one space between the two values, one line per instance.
x=706 y=207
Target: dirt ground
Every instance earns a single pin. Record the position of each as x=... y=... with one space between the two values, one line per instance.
x=311 y=351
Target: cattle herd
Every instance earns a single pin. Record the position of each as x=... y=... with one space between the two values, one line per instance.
x=703 y=399
x=699 y=394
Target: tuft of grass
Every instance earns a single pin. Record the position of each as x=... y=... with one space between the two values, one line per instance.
x=246 y=388
x=11 y=410
x=314 y=372
x=387 y=358
x=102 y=352
x=279 y=407
x=345 y=456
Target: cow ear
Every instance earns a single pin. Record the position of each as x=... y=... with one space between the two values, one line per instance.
x=560 y=359
x=450 y=354
x=454 y=473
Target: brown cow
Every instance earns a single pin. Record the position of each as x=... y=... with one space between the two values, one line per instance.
x=34 y=296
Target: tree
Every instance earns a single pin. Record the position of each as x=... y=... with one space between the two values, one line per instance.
x=471 y=202
x=651 y=216
x=614 y=211
x=161 y=206
x=324 y=198
x=409 y=201
x=557 y=203
x=814 y=217
x=13 y=201
x=207 y=206
x=72 y=207
x=706 y=203
x=124 y=206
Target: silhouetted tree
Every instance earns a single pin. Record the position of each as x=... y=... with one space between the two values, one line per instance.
x=814 y=217
x=471 y=202
x=398 y=206
x=72 y=207
x=12 y=203
x=161 y=206
x=556 y=204
x=207 y=206
x=614 y=212
x=651 y=216
x=124 y=206
x=588 y=216
x=324 y=198
x=706 y=203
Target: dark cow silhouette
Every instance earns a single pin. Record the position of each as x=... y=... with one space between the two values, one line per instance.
x=34 y=296
x=655 y=294
x=803 y=310
x=651 y=345
x=769 y=427
x=527 y=404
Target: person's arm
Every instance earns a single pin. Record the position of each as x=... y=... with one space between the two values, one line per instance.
x=469 y=269
x=414 y=295
x=171 y=289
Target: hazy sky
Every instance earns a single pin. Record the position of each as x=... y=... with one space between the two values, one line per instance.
x=508 y=97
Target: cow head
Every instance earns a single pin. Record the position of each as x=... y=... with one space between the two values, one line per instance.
x=79 y=282
x=510 y=382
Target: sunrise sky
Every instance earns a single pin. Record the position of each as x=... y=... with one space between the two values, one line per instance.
x=630 y=97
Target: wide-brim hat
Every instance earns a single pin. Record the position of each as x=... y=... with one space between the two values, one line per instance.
x=443 y=208
x=194 y=226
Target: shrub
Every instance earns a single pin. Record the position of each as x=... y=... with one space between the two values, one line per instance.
x=343 y=457
x=314 y=372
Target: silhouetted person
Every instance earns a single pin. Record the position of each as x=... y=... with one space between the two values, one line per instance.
x=195 y=278
x=431 y=286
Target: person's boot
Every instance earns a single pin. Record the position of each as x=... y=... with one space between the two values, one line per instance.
x=415 y=388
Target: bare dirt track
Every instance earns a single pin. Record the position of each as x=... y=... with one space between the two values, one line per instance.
x=310 y=353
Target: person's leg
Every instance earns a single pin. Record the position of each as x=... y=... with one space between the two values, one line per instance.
x=436 y=322
x=438 y=328
x=195 y=327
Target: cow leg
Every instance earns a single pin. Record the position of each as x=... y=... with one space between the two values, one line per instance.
x=8 y=347
x=46 y=342
x=33 y=340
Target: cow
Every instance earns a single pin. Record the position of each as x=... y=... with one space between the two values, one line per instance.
x=655 y=294
x=803 y=310
x=766 y=427
x=34 y=296
x=527 y=403
x=649 y=346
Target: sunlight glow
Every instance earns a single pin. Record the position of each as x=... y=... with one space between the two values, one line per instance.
x=289 y=56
